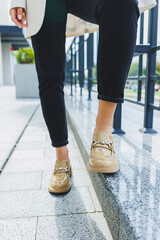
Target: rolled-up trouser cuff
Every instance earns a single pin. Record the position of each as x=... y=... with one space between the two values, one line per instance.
x=60 y=144
x=110 y=99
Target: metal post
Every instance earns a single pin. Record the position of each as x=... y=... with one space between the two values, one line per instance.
x=75 y=64
x=81 y=63
x=117 y=120
x=71 y=70
x=90 y=63
x=140 y=67
x=151 y=69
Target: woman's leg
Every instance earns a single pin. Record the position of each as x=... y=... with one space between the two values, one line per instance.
x=49 y=49
x=117 y=22
x=114 y=58
x=104 y=117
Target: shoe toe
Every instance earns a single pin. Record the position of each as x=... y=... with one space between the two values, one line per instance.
x=102 y=156
x=60 y=182
x=60 y=179
x=95 y=162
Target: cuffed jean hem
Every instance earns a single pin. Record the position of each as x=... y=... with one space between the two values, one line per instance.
x=110 y=99
x=60 y=144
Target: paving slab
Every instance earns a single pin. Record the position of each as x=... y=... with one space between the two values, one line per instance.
x=20 y=181
x=41 y=203
x=22 y=228
x=14 y=116
x=27 y=209
x=75 y=226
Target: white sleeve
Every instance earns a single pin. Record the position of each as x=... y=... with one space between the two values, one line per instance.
x=18 y=3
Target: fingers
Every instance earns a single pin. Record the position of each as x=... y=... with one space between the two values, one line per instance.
x=18 y=16
x=19 y=13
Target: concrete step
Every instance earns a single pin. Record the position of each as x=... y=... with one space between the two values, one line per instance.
x=130 y=197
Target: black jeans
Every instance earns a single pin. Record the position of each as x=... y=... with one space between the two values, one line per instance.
x=117 y=20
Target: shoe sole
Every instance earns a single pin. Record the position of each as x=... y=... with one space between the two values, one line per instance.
x=52 y=190
x=112 y=169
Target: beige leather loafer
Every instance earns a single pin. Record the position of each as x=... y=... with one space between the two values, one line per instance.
x=60 y=179
x=102 y=154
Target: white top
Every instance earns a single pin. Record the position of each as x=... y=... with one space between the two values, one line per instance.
x=35 y=10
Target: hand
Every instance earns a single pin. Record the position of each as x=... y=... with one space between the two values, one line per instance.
x=18 y=16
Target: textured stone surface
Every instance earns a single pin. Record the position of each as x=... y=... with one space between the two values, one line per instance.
x=28 y=165
x=34 y=165
x=40 y=203
x=134 y=190
x=75 y=226
x=14 y=116
x=24 y=228
x=27 y=209
x=20 y=181
x=27 y=154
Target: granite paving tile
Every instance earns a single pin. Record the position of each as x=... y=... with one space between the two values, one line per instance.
x=20 y=181
x=30 y=164
x=18 y=229
x=27 y=154
x=75 y=226
x=40 y=203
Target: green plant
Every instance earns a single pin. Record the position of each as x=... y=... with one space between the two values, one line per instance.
x=133 y=70
x=24 y=55
x=94 y=71
x=158 y=71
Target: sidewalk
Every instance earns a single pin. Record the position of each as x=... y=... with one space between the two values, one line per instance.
x=27 y=210
x=14 y=116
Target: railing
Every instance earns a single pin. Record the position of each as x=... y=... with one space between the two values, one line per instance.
x=82 y=48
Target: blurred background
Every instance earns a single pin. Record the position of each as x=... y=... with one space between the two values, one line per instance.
x=12 y=38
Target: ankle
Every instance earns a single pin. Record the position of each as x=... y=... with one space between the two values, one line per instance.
x=102 y=129
x=62 y=153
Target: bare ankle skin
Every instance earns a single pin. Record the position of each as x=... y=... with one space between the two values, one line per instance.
x=104 y=117
x=62 y=153
x=106 y=130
